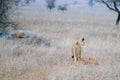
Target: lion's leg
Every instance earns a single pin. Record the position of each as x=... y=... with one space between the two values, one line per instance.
x=75 y=59
x=79 y=58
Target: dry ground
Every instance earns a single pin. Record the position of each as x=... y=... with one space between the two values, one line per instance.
x=21 y=61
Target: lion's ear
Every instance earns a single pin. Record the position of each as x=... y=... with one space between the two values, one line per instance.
x=83 y=39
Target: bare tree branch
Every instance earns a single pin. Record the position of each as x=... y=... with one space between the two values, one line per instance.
x=111 y=4
x=115 y=6
x=108 y=6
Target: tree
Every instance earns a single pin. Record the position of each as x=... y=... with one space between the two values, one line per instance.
x=6 y=7
x=62 y=7
x=50 y=4
x=91 y=3
x=112 y=5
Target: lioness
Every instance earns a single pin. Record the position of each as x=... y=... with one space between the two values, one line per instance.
x=76 y=50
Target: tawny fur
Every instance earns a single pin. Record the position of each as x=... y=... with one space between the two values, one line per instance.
x=76 y=50
x=89 y=61
x=20 y=35
x=92 y=61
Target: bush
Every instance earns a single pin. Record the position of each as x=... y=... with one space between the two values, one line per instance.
x=62 y=7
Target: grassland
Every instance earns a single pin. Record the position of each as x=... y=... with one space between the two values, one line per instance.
x=22 y=61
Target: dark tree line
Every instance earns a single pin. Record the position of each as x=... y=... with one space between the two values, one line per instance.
x=8 y=6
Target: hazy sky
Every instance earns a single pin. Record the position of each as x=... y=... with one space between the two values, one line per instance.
x=74 y=8
x=40 y=5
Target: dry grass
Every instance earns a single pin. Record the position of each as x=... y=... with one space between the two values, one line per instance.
x=22 y=61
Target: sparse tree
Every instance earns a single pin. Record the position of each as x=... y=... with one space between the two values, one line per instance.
x=50 y=4
x=112 y=5
x=62 y=7
x=91 y=3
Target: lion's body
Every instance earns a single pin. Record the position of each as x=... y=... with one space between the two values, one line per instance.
x=76 y=50
x=20 y=34
x=89 y=61
x=76 y=53
x=92 y=61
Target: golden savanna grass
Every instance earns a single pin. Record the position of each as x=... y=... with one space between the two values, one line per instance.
x=50 y=58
